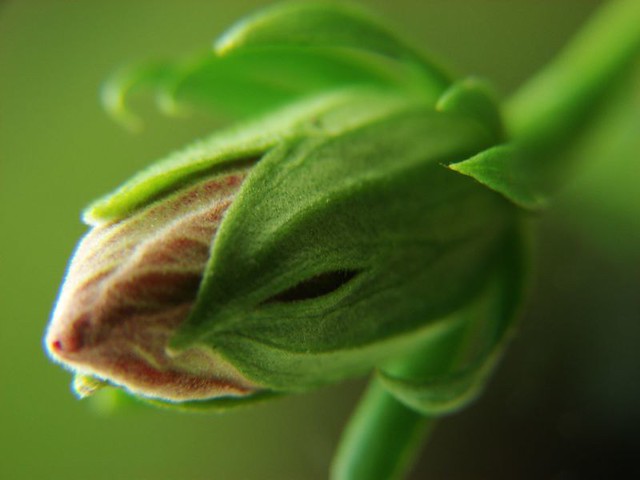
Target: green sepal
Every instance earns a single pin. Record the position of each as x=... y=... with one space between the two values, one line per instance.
x=445 y=375
x=375 y=201
x=510 y=171
x=442 y=395
x=245 y=142
x=505 y=168
x=474 y=98
x=324 y=24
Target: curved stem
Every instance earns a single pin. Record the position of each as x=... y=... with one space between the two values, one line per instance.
x=384 y=436
x=381 y=440
x=555 y=103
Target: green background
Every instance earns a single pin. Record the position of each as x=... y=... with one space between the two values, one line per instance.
x=563 y=404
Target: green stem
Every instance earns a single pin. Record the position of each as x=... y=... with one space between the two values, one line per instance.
x=384 y=436
x=381 y=440
x=553 y=106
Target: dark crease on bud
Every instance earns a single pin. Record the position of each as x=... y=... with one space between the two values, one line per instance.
x=129 y=287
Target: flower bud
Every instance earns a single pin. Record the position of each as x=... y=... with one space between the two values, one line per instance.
x=369 y=212
x=130 y=286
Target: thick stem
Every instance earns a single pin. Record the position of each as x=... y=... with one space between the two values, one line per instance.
x=552 y=107
x=381 y=440
x=383 y=436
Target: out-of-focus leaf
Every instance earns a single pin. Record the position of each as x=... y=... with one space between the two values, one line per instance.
x=251 y=83
x=279 y=56
x=324 y=24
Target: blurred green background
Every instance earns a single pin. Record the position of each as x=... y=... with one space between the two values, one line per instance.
x=564 y=403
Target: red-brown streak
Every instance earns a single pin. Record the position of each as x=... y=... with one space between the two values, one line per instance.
x=92 y=282
x=171 y=252
x=161 y=287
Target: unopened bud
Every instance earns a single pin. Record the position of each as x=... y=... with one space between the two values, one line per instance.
x=378 y=209
x=130 y=286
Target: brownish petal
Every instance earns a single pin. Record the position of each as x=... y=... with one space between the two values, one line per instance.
x=130 y=286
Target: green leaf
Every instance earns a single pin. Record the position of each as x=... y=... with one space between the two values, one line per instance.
x=508 y=170
x=318 y=24
x=241 y=143
x=372 y=205
x=448 y=373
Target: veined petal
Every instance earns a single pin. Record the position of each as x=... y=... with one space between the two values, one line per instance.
x=132 y=283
